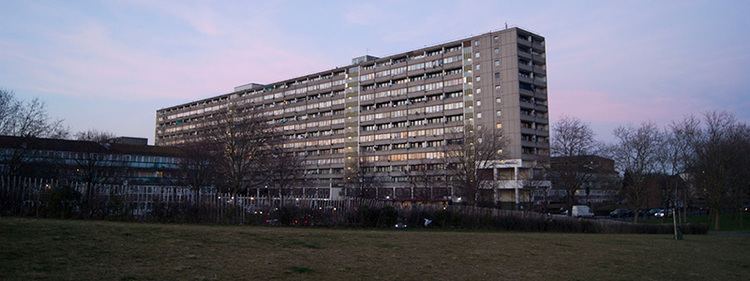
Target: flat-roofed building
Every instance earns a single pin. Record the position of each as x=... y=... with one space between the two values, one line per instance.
x=394 y=115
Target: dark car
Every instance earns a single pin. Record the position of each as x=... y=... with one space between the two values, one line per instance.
x=620 y=213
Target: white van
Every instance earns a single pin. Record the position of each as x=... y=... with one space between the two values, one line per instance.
x=582 y=211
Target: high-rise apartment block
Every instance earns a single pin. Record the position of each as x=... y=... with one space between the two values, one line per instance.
x=388 y=115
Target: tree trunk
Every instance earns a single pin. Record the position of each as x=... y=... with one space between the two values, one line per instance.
x=716 y=218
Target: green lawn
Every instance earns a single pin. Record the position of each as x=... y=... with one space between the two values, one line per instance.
x=96 y=250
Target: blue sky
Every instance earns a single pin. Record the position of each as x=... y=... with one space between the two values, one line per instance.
x=110 y=65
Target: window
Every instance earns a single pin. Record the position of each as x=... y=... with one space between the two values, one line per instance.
x=479 y=78
x=454 y=118
x=454 y=95
x=497 y=75
x=479 y=91
x=499 y=113
x=479 y=115
x=477 y=55
x=479 y=103
x=478 y=67
x=499 y=125
x=498 y=100
x=476 y=43
x=497 y=50
x=497 y=62
x=455 y=105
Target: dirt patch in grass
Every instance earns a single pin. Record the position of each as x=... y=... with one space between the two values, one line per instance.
x=95 y=250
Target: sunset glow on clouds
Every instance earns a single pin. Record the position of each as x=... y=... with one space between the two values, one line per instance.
x=110 y=65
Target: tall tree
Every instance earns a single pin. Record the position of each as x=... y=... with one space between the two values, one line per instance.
x=719 y=169
x=571 y=137
x=572 y=142
x=680 y=138
x=284 y=169
x=196 y=166
x=242 y=141
x=27 y=119
x=466 y=161
x=636 y=153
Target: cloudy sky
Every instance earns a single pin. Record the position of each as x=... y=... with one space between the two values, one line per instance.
x=109 y=65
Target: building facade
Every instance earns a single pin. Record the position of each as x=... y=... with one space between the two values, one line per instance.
x=118 y=161
x=600 y=181
x=394 y=115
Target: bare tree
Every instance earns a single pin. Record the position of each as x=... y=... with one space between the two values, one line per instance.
x=571 y=174
x=467 y=162
x=571 y=137
x=95 y=135
x=284 y=169
x=719 y=169
x=364 y=183
x=677 y=151
x=423 y=176
x=27 y=119
x=636 y=153
x=242 y=142
x=572 y=142
x=196 y=165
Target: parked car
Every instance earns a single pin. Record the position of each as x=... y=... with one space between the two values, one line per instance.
x=620 y=213
x=582 y=211
x=661 y=213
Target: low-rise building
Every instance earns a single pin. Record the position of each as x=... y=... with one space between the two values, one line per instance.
x=116 y=161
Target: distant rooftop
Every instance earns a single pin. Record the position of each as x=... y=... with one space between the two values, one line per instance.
x=249 y=86
x=364 y=58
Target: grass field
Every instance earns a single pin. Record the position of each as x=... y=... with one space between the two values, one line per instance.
x=728 y=222
x=96 y=250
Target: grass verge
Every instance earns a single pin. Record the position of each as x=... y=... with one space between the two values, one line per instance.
x=34 y=249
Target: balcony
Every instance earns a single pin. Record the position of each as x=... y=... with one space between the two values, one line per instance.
x=512 y=184
x=539 y=69
x=538 y=45
x=524 y=78
x=540 y=82
x=526 y=104
x=525 y=67
x=525 y=55
x=524 y=42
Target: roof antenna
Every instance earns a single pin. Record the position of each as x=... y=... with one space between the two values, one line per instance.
x=506 y=25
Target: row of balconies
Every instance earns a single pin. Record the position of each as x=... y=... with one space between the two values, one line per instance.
x=411 y=61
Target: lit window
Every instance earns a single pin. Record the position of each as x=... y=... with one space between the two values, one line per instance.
x=498 y=100
x=477 y=55
x=479 y=103
x=479 y=78
x=479 y=115
x=479 y=91
x=499 y=125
